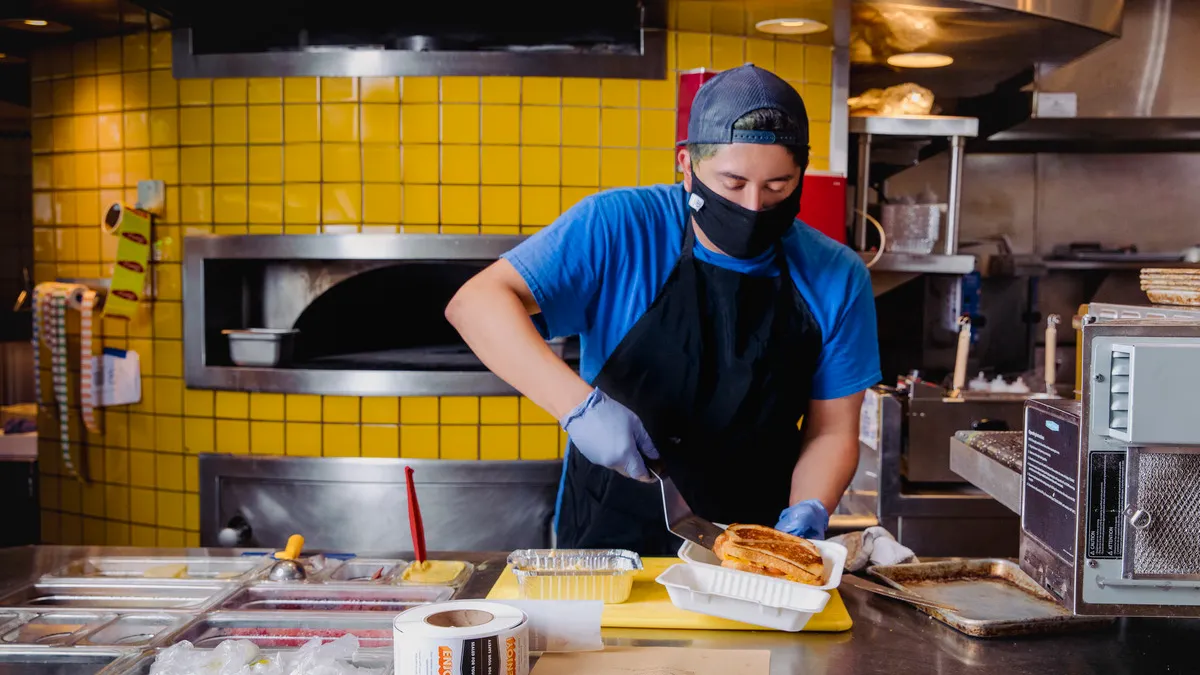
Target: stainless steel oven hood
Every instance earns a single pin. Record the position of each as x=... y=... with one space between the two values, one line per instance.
x=369 y=310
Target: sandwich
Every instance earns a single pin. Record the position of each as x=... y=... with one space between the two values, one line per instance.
x=767 y=551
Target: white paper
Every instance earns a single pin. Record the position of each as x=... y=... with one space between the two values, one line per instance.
x=118 y=377
x=561 y=625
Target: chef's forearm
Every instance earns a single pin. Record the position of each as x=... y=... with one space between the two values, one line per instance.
x=493 y=320
x=825 y=468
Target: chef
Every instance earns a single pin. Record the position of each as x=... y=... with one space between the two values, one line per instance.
x=711 y=323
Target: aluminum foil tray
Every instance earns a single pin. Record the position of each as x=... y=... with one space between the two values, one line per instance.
x=575 y=574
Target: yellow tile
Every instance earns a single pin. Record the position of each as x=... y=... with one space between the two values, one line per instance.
x=761 y=53
x=266 y=124
x=580 y=166
x=42 y=137
x=381 y=204
x=266 y=406
x=160 y=49
x=170 y=538
x=460 y=204
x=656 y=167
x=302 y=203
x=460 y=164
x=341 y=162
x=818 y=138
x=87 y=171
x=539 y=205
x=499 y=442
x=459 y=442
x=229 y=91
x=381 y=163
x=85 y=95
x=619 y=93
x=168 y=316
x=109 y=132
x=581 y=126
x=379 y=89
x=500 y=205
x=265 y=205
x=301 y=123
x=302 y=162
x=116 y=502
x=141 y=505
x=380 y=123
x=419 y=442
x=539 y=166
x=84 y=58
x=266 y=438
x=143 y=536
x=141 y=468
x=42 y=175
x=233 y=436
x=164 y=127
x=419 y=89
x=618 y=167
x=460 y=123
x=198 y=435
x=580 y=91
x=195 y=92
x=169 y=471
x=63 y=93
x=164 y=165
x=266 y=164
x=64 y=244
x=229 y=204
x=419 y=410
x=501 y=124
x=421 y=204
x=459 y=410
x=137 y=167
x=531 y=413
x=540 y=125
x=419 y=123
x=233 y=404
x=169 y=437
x=300 y=89
x=818 y=99
x=341 y=203
x=229 y=124
x=168 y=398
x=108 y=55
x=539 y=442
x=195 y=165
x=460 y=89
x=381 y=410
x=339 y=122
x=420 y=163
x=191 y=473
x=618 y=127
x=198 y=403
x=303 y=438
x=380 y=440
x=339 y=89
x=164 y=92
x=135 y=88
x=340 y=440
x=728 y=51
x=658 y=93
x=168 y=358
x=541 y=90
x=303 y=408
x=340 y=408
x=657 y=129
x=41 y=96
x=818 y=64
x=137 y=130
x=693 y=50
x=501 y=89
x=265 y=90
x=63 y=170
x=170 y=509
x=229 y=164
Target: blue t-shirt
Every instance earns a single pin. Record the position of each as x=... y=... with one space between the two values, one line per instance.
x=596 y=270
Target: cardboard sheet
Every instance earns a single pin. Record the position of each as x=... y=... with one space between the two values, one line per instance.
x=656 y=661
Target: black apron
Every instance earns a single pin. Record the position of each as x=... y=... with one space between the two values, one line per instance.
x=720 y=371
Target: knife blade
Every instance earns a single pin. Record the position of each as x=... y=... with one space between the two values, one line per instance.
x=681 y=520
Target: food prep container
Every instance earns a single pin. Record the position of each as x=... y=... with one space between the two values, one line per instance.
x=282 y=632
x=53 y=628
x=378 y=659
x=575 y=574
x=315 y=567
x=261 y=347
x=134 y=630
x=833 y=555
x=749 y=598
x=334 y=597
x=407 y=578
x=115 y=596
x=158 y=569
x=58 y=660
x=362 y=571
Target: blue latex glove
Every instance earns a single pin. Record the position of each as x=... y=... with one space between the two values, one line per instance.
x=611 y=435
x=807 y=519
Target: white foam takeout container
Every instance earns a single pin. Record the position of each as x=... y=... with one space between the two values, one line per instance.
x=702 y=585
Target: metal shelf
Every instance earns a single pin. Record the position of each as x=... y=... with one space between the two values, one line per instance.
x=922 y=264
x=1118 y=265
x=915 y=126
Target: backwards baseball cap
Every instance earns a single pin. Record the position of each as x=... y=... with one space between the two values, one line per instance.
x=732 y=94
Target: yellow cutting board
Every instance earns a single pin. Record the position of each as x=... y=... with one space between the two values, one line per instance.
x=650 y=607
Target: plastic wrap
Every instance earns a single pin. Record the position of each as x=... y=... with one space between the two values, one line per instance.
x=242 y=657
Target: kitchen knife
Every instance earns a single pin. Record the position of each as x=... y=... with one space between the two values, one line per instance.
x=681 y=521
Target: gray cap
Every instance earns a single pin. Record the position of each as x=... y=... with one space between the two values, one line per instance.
x=725 y=98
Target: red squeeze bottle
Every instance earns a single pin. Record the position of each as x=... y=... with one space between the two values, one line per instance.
x=416 y=528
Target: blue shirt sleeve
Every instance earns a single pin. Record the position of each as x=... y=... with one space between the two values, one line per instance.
x=563 y=265
x=849 y=362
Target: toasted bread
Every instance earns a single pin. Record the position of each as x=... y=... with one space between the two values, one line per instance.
x=764 y=550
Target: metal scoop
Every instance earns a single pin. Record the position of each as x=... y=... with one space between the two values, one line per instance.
x=287 y=566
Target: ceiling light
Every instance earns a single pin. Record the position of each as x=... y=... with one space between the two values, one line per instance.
x=920 y=60
x=791 y=26
x=37 y=23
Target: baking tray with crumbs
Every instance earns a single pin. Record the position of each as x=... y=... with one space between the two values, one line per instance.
x=992 y=597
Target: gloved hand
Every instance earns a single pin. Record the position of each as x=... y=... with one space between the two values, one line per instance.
x=807 y=519
x=611 y=435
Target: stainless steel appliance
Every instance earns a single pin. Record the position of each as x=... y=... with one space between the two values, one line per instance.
x=1110 y=507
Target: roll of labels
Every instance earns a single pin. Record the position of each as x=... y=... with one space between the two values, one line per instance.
x=51 y=301
x=464 y=637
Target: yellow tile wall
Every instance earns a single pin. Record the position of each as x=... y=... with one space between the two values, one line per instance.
x=462 y=155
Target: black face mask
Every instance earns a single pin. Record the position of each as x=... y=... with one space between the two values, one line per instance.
x=736 y=230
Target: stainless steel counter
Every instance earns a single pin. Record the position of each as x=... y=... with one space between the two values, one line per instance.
x=888 y=638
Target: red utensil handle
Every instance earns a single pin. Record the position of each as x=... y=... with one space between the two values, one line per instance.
x=416 y=528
